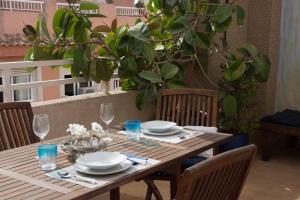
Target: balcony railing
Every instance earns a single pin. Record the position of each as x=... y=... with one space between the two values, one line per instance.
x=22 y=5
x=129 y=11
x=64 y=5
x=8 y=68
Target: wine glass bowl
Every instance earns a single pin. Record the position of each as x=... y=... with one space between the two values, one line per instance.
x=41 y=125
x=107 y=114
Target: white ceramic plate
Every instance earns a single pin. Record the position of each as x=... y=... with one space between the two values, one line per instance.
x=171 y=131
x=158 y=126
x=116 y=169
x=101 y=160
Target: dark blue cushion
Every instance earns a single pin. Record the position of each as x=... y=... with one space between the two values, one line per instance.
x=286 y=117
x=191 y=161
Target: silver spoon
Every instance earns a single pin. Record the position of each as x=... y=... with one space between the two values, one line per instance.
x=64 y=174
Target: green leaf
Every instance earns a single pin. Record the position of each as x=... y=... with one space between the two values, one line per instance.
x=229 y=105
x=223 y=13
x=44 y=28
x=148 y=51
x=87 y=5
x=169 y=70
x=177 y=26
x=37 y=28
x=80 y=32
x=190 y=38
x=248 y=50
x=69 y=53
x=150 y=76
x=140 y=31
x=223 y=27
x=29 y=55
x=101 y=70
x=127 y=84
x=58 y=20
x=102 y=29
x=240 y=15
x=235 y=70
x=129 y=63
x=262 y=68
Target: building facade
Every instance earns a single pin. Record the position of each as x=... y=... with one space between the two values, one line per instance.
x=14 y=14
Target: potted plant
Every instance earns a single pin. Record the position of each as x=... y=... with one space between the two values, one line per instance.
x=156 y=52
x=242 y=75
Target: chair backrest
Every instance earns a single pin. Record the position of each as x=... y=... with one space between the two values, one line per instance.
x=219 y=178
x=188 y=106
x=16 y=125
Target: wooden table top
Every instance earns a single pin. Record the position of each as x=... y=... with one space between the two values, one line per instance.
x=21 y=177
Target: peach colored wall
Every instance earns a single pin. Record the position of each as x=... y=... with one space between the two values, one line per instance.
x=13 y=22
x=50 y=92
x=12 y=52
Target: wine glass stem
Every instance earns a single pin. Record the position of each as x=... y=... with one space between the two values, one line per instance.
x=42 y=141
x=107 y=132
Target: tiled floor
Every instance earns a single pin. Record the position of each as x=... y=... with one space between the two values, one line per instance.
x=278 y=179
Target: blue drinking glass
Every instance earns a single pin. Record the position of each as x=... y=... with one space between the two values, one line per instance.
x=132 y=128
x=47 y=156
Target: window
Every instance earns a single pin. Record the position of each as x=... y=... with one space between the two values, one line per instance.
x=79 y=88
x=28 y=94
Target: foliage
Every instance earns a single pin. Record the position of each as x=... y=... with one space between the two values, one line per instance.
x=152 y=54
x=238 y=88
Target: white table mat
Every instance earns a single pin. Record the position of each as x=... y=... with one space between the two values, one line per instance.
x=101 y=180
x=174 y=139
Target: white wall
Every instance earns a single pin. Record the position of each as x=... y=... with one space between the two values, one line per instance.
x=288 y=79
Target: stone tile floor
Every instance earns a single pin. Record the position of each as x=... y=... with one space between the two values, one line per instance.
x=278 y=179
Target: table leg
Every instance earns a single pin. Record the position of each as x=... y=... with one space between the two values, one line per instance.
x=175 y=181
x=115 y=194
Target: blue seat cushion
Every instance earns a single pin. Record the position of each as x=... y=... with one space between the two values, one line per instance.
x=191 y=161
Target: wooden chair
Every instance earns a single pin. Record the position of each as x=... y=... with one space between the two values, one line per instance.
x=185 y=106
x=16 y=125
x=219 y=178
x=188 y=106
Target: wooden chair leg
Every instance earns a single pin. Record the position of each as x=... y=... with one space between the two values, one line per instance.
x=154 y=190
x=115 y=194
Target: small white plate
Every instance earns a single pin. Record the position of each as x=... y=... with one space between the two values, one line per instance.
x=119 y=168
x=158 y=126
x=101 y=160
x=171 y=131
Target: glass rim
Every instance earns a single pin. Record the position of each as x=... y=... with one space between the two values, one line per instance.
x=41 y=115
x=47 y=146
x=132 y=121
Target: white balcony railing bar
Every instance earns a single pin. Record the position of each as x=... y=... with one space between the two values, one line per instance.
x=7 y=72
x=22 y=5
x=129 y=11
x=64 y=5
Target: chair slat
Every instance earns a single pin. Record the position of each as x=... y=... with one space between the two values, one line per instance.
x=16 y=125
x=169 y=105
x=174 y=108
x=178 y=109
x=221 y=177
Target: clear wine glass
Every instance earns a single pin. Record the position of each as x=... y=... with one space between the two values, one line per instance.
x=41 y=126
x=107 y=114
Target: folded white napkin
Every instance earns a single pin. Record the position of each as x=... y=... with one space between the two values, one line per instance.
x=202 y=128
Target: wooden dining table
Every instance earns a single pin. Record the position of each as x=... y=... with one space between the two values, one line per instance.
x=21 y=177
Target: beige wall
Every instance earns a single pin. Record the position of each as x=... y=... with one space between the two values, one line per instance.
x=261 y=28
x=263 y=31
x=85 y=109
